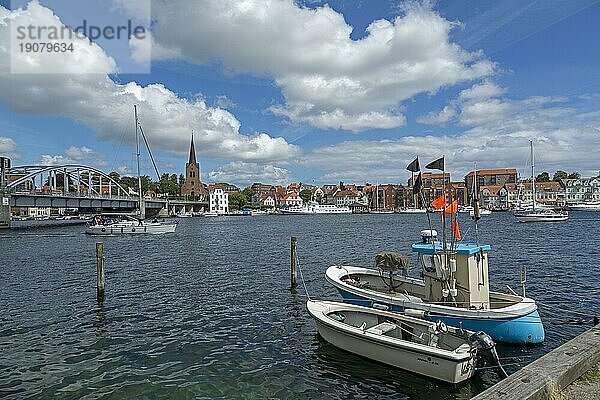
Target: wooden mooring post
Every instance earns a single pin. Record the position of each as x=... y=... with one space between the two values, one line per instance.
x=100 y=272
x=293 y=263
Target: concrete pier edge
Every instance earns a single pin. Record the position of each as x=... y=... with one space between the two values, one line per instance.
x=548 y=375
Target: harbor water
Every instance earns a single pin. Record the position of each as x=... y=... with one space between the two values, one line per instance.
x=207 y=312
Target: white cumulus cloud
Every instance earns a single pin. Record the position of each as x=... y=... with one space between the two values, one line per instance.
x=244 y=174
x=93 y=98
x=328 y=80
x=8 y=147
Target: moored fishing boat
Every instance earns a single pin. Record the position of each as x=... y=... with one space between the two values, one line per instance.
x=422 y=347
x=454 y=289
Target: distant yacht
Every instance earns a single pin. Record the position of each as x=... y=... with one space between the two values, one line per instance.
x=312 y=207
x=413 y=211
x=535 y=213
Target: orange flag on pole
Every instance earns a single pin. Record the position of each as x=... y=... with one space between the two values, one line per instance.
x=452 y=208
x=439 y=203
x=455 y=230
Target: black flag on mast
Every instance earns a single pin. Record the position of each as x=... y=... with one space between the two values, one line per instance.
x=414 y=166
x=437 y=164
x=417 y=184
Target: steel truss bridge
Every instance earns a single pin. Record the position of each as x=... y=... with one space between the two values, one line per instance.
x=77 y=186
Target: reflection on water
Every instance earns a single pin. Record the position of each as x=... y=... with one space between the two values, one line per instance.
x=207 y=312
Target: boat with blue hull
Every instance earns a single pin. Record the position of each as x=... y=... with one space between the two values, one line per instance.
x=454 y=289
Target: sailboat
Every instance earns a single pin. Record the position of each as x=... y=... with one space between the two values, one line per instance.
x=126 y=224
x=378 y=210
x=537 y=213
x=471 y=209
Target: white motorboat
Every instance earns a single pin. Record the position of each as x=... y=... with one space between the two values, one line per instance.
x=210 y=214
x=585 y=207
x=416 y=345
x=482 y=211
x=413 y=211
x=312 y=207
x=126 y=225
x=381 y=212
x=259 y=212
x=537 y=214
x=187 y=214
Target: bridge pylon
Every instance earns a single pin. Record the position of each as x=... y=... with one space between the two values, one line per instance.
x=4 y=195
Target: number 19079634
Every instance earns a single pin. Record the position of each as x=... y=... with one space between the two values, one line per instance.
x=48 y=47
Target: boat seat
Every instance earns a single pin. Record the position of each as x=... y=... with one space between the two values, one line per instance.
x=382 y=328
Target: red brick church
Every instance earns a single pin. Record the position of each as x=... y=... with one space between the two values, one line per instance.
x=193 y=186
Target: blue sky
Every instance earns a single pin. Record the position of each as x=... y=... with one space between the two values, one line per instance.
x=280 y=91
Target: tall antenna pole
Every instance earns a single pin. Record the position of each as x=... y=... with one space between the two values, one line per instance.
x=444 y=210
x=137 y=142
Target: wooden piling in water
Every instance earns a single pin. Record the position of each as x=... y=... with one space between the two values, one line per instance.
x=100 y=272
x=293 y=263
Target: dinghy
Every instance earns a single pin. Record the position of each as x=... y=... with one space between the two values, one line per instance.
x=422 y=347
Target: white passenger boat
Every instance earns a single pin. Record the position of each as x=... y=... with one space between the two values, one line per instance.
x=585 y=207
x=127 y=225
x=315 y=208
x=422 y=347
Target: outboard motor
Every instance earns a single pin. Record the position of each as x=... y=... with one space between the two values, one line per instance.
x=486 y=351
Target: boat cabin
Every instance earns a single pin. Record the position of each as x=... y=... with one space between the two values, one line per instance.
x=454 y=275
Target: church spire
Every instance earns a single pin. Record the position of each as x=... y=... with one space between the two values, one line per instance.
x=192 y=151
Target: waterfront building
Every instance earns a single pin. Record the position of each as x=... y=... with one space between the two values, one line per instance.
x=229 y=188
x=346 y=197
x=317 y=194
x=491 y=178
x=268 y=201
x=432 y=179
x=329 y=193
x=193 y=185
x=582 y=190
x=260 y=191
x=510 y=195
x=218 y=199
x=292 y=199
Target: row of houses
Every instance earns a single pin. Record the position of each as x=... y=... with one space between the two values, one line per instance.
x=498 y=189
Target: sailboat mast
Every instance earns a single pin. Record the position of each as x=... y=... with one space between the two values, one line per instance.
x=532 y=173
x=137 y=142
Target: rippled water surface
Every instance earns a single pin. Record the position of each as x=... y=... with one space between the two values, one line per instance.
x=207 y=312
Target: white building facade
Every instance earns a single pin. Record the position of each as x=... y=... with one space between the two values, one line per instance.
x=219 y=201
x=583 y=190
